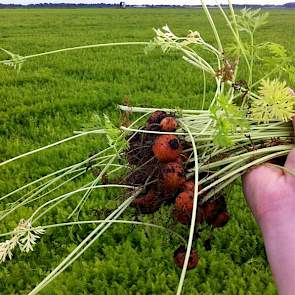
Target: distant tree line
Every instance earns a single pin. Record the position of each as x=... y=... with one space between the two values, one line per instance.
x=289 y=5
x=60 y=5
x=104 y=5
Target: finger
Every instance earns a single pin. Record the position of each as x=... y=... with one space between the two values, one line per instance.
x=281 y=161
x=257 y=178
x=290 y=162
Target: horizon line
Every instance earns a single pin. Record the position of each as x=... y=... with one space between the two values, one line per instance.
x=134 y=5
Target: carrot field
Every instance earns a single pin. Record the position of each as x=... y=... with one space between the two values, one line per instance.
x=53 y=96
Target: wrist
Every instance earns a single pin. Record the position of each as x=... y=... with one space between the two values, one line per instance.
x=278 y=232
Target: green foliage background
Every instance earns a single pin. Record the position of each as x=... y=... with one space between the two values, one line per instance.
x=54 y=95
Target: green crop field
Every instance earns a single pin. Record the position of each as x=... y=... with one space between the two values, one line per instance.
x=56 y=94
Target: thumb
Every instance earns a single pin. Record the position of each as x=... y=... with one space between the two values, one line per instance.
x=255 y=184
x=290 y=162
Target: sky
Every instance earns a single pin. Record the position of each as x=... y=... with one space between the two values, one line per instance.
x=132 y=2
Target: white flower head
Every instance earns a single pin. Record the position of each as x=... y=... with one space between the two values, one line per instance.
x=24 y=235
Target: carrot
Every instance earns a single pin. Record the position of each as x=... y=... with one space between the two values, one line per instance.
x=168 y=124
x=153 y=122
x=172 y=176
x=221 y=219
x=167 y=148
x=184 y=207
x=148 y=203
x=179 y=255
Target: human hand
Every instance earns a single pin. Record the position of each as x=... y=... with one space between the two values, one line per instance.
x=270 y=193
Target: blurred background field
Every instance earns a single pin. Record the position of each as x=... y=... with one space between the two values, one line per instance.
x=57 y=94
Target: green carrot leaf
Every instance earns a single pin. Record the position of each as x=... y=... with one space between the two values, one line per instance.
x=250 y=20
x=276 y=102
x=229 y=119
